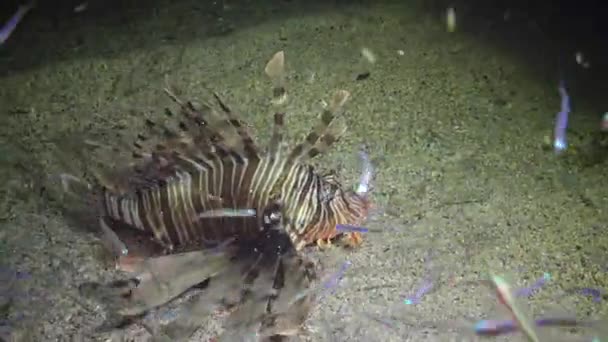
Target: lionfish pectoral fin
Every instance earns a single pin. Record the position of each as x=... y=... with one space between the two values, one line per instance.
x=166 y=277
x=264 y=289
x=161 y=279
x=223 y=291
x=254 y=304
x=289 y=309
x=114 y=295
x=325 y=133
x=282 y=324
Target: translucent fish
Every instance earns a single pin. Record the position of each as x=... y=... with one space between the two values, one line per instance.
x=228 y=212
x=561 y=120
x=349 y=228
x=11 y=24
x=507 y=298
x=499 y=327
x=512 y=316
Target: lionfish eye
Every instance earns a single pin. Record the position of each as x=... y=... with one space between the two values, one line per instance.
x=328 y=191
x=272 y=217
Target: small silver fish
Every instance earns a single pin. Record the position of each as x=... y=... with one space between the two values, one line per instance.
x=228 y=212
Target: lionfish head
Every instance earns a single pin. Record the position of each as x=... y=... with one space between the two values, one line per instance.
x=336 y=206
x=346 y=207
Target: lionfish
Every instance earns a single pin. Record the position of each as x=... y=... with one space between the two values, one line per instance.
x=205 y=182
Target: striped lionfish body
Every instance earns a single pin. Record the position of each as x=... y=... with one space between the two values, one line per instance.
x=207 y=181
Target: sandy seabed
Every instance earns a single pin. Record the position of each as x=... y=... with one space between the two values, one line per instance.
x=455 y=129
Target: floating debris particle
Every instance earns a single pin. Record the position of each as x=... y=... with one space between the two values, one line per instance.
x=368 y=55
x=450 y=19
x=581 y=60
x=81 y=7
x=362 y=76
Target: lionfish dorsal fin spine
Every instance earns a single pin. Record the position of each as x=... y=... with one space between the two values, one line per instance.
x=223 y=128
x=202 y=119
x=333 y=133
x=248 y=144
x=278 y=131
x=275 y=70
x=162 y=151
x=325 y=133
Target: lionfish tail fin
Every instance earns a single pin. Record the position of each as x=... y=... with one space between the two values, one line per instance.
x=325 y=133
